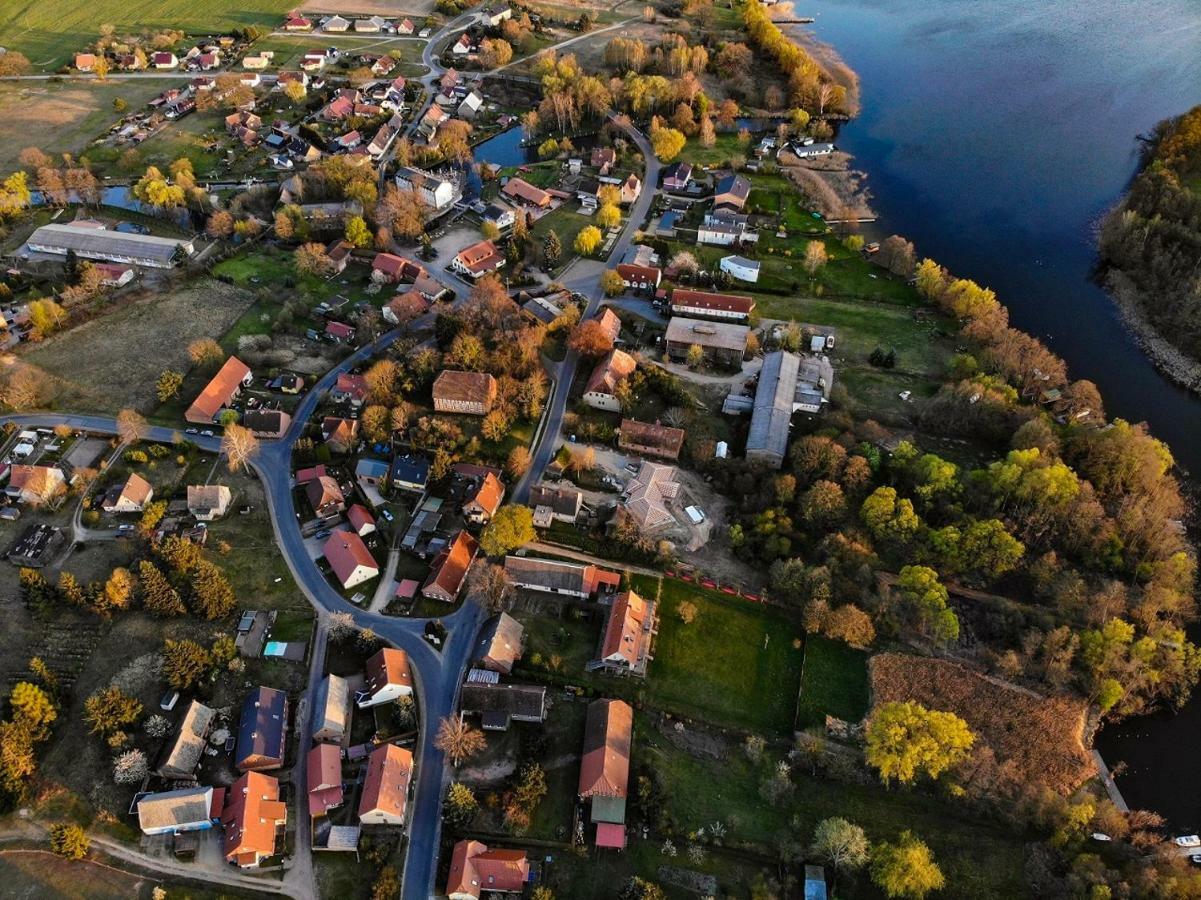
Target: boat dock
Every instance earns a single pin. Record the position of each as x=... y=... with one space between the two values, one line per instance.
x=1111 y=787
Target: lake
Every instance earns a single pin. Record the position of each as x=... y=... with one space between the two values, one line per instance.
x=995 y=136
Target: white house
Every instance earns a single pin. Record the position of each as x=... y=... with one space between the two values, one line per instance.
x=388 y=678
x=741 y=268
x=437 y=192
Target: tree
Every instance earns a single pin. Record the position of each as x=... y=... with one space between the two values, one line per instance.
x=708 y=134
x=587 y=240
x=906 y=869
x=552 y=249
x=118 y=589
x=185 y=663
x=815 y=256
x=159 y=596
x=206 y=352
x=612 y=283
x=168 y=385
x=240 y=446
x=905 y=740
x=925 y=601
x=130 y=767
x=68 y=840
x=494 y=53
x=311 y=259
x=357 y=232
x=695 y=356
x=510 y=528
x=518 y=462
x=110 y=710
x=131 y=427
x=212 y=594
x=458 y=740
x=687 y=612
x=840 y=843
x=609 y=216
x=590 y=339
x=46 y=317
x=33 y=709
x=667 y=143
x=641 y=889
x=491 y=585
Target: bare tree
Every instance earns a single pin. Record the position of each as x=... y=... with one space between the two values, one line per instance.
x=240 y=446
x=131 y=426
x=458 y=740
x=491 y=585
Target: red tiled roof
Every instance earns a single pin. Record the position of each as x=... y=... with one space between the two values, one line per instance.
x=252 y=812
x=661 y=439
x=489 y=494
x=611 y=836
x=715 y=302
x=464 y=387
x=475 y=869
x=451 y=565
x=218 y=392
x=639 y=274
x=386 y=787
x=521 y=189
x=605 y=768
x=304 y=476
x=359 y=517
x=480 y=257
x=323 y=773
x=610 y=372
x=345 y=551
x=388 y=666
x=339 y=329
x=624 y=636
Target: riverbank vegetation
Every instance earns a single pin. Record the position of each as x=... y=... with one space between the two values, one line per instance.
x=1151 y=243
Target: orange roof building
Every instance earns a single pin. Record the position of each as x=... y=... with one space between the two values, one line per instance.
x=482 y=505
x=349 y=558
x=468 y=393
x=601 y=390
x=220 y=392
x=717 y=306
x=388 y=677
x=650 y=439
x=323 y=773
x=475 y=869
x=478 y=259
x=386 y=788
x=450 y=567
x=605 y=768
x=628 y=634
x=522 y=190
x=252 y=817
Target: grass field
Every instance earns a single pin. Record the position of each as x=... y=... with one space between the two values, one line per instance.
x=40 y=875
x=736 y=664
x=50 y=32
x=833 y=682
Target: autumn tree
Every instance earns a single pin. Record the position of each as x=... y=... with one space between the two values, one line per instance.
x=206 y=353
x=220 y=224
x=110 y=710
x=510 y=528
x=518 y=462
x=552 y=249
x=609 y=216
x=46 y=317
x=69 y=841
x=212 y=595
x=494 y=53
x=159 y=596
x=185 y=663
x=357 y=232
x=491 y=585
x=168 y=384
x=240 y=447
x=587 y=240
x=815 y=256
x=33 y=708
x=906 y=740
x=590 y=339
x=667 y=143
x=458 y=740
x=612 y=283
x=924 y=603
x=311 y=259
x=131 y=426
x=841 y=844
x=460 y=806
x=906 y=869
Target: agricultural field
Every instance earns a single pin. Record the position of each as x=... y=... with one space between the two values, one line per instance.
x=62 y=117
x=50 y=32
x=40 y=875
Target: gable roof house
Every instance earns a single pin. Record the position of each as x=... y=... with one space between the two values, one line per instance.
x=554 y=577
x=405 y=307
x=649 y=493
x=349 y=558
x=703 y=304
x=207 y=502
x=410 y=472
x=677 y=176
x=35 y=485
x=605 y=767
x=335 y=24
x=164 y=60
x=468 y=393
x=84 y=62
x=477 y=260
x=449 y=569
x=601 y=390
x=325 y=496
x=388 y=678
x=500 y=644
x=386 y=787
x=475 y=869
x=253 y=816
x=170 y=812
x=603 y=158
x=555 y=503
x=129 y=497
x=631 y=188
x=331 y=709
x=438 y=192
x=499 y=705
x=298 y=23
x=629 y=633
x=640 y=277
x=652 y=440
x=360 y=520
x=723 y=343
x=183 y=757
x=267 y=423
x=740 y=267
x=523 y=192
x=482 y=503
x=262 y=730
x=349 y=388
x=339 y=434
x=731 y=191
x=220 y=392
x=323 y=779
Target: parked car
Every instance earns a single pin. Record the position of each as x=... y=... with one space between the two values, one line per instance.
x=387 y=515
x=1187 y=840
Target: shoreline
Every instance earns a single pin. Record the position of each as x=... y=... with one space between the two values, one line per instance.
x=1168 y=359
x=826 y=55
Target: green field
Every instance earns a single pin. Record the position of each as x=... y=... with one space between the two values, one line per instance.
x=50 y=32
x=833 y=682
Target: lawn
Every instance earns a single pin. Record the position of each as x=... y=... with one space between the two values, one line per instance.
x=736 y=664
x=567 y=224
x=52 y=31
x=833 y=682
x=726 y=148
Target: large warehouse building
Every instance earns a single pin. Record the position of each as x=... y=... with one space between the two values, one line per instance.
x=89 y=242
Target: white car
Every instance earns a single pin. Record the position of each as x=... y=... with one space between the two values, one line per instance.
x=1187 y=840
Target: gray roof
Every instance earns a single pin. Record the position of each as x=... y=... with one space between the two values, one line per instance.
x=61 y=238
x=501 y=641
x=262 y=731
x=718 y=335
x=742 y=261
x=331 y=705
x=563 y=501
x=189 y=806
x=518 y=700
x=772 y=412
x=189 y=744
x=550 y=574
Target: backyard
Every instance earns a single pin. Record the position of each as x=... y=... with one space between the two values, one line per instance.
x=833 y=682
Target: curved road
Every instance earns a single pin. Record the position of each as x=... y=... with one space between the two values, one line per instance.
x=437 y=674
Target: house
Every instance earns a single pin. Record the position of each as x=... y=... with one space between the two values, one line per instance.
x=477 y=260
x=500 y=215
x=405 y=26
x=609 y=323
x=554 y=577
x=629 y=632
x=335 y=24
x=339 y=434
x=410 y=472
x=499 y=705
x=350 y=140
x=631 y=188
x=208 y=502
x=339 y=252
x=283 y=79
x=207 y=61
x=371 y=25
x=267 y=423
x=462 y=46
x=731 y=191
x=89 y=242
x=349 y=558
x=323 y=779
x=404 y=308
x=297 y=23
x=331 y=710
x=325 y=496
x=35 y=485
x=438 y=193
x=640 y=277
x=388 y=268
x=603 y=158
x=723 y=231
x=495 y=17
x=787 y=384
x=164 y=60
x=652 y=440
x=183 y=757
x=85 y=62
x=601 y=390
x=448 y=572
x=388 y=678
x=475 y=869
x=649 y=494
x=740 y=267
x=434 y=116
x=586 y=192
x=677 y=176
x=349 y=387
x=360 y=520
x=500 y=644
x=220 y=392
x=370 y=472
x=721 y=343
x=382 y=141
x=114 y=275
x=810 y=151
x=466 y=393
x=304 y=476
x=471 y=105
x=312 y=62
x=129 y=497
x=667 y=224
x=704 y=305
x=188 y=809
x=605 y=768
x=523 y=192
x=555 y=503
x=253 y=817
x=483 y=502
x=262 y=731
x=386 y=787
